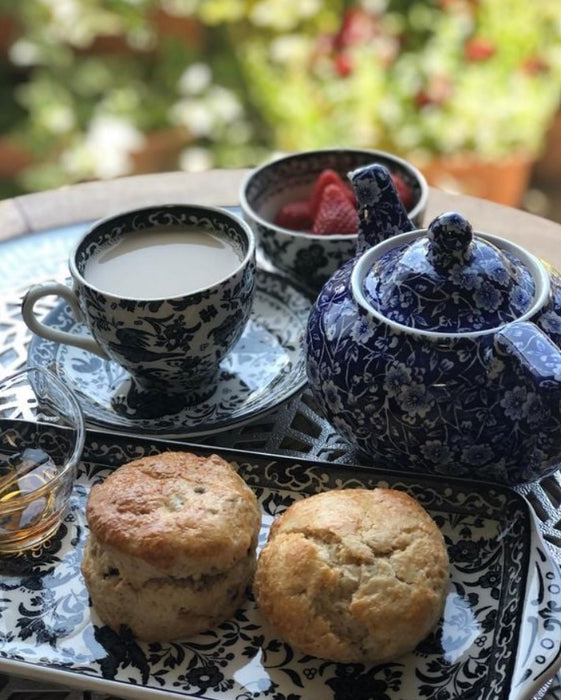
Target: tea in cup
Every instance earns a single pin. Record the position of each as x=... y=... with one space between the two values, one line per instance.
x=164 y=291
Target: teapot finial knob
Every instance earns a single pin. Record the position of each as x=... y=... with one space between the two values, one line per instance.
x=380 y=210
x=450 y=236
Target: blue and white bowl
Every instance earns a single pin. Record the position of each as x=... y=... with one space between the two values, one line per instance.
x=310 y=258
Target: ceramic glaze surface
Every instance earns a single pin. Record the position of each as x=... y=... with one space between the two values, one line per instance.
x=137 y=333
x=449 y=281
x=168 y=345
x=438 y=353
x=311 y=259
x=451 y=406
x=499 y=637
x=265 y=368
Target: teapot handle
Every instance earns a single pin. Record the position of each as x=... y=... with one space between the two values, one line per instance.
x=533 y=350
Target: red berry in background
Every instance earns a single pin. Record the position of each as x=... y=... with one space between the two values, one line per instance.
x=296 y=216
x=422 y=99
x=404 y=191
x=478 y=49
x=534 y=65
x=335 y=213
x=343 y=65
x=358 y=27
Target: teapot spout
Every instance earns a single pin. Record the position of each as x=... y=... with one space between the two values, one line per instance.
x=540 y=360
x=534 y=352
x=381 y=213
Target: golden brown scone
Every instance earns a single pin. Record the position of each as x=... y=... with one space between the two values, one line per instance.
x=353 y=575
x=172 y=544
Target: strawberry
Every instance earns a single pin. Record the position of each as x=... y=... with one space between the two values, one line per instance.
x=296 y=216
x=329 y=177
x=335 y=212
x=404 y=191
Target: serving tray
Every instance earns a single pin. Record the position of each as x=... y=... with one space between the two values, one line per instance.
x=499 y=638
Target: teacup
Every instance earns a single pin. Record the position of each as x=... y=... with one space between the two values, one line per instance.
x=165 y=292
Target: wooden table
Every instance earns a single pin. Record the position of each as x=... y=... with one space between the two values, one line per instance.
x=89 y=201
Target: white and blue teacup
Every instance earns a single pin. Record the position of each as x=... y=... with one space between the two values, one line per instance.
x=164 y=291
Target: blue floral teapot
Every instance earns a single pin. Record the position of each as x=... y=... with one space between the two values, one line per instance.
x=438 y=350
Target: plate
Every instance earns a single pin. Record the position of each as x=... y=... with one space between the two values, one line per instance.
x=265 y=368
x=499 y=637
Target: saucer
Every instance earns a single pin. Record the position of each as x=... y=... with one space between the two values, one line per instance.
x=265 y=368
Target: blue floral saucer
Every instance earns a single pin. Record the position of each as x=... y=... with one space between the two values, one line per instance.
x=265 y=369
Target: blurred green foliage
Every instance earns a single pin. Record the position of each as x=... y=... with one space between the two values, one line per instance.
x=87 y=83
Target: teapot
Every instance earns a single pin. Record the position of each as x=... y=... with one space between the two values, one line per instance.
x=438 y=350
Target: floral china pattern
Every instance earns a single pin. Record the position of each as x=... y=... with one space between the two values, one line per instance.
x=137 y=333
x=499 y=639
x=467 y=383
x=308 y=260
x=404 y=413
x=266 y=367
x=449 y=281
x=311 y=259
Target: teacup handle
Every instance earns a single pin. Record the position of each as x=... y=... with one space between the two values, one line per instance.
x=38 y=291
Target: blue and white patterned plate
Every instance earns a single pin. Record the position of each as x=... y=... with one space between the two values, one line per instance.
x=265 y=368
x=499 y=638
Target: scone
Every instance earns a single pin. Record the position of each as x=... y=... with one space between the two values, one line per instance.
x=353 y=575
x=171 y=547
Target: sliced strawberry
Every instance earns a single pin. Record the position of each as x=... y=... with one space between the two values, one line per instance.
x=329 y=177
x=335 y=213
x=296 y=216
x=404 y=191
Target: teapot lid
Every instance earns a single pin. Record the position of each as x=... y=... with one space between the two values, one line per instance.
x=449 y=280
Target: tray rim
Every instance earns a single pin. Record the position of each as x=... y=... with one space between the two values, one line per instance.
x=85 y=681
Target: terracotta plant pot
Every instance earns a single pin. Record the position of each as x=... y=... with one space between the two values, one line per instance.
x=160 y=151
x=504 y=182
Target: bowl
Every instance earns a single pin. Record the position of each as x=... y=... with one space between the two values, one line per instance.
x=41 y=440
x=312 y=258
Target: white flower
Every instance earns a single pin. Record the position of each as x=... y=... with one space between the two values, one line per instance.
x=106 y=149
x=58 y=118
x=203 y=115
x=195 y=115
x=194 y=79
x=290 y=48
x=24 y=52
x=224 y=104
x=72 y=22
x=195 y=160
x=283 y=14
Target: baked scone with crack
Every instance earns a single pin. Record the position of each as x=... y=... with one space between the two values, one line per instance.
x=172 y=545
x=353 y=575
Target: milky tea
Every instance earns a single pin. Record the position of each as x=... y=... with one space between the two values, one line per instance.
x=162 y=262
